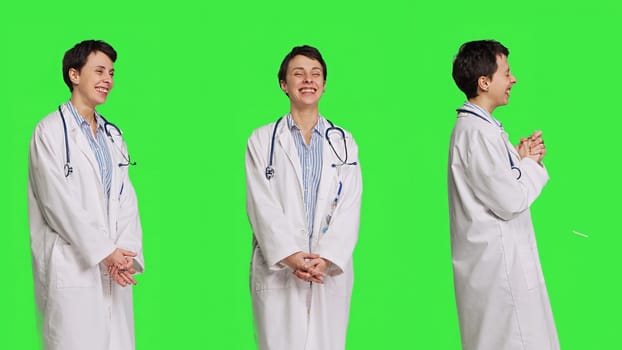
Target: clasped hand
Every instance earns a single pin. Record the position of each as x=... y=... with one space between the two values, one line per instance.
x=120 y=264
x=307 y=267
x=532 y=147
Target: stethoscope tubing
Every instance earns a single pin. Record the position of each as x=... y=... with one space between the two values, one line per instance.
x=68 y=168
x=270 y=169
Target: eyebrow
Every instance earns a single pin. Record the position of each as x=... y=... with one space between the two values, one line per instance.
x=314 y=68
x=102 y=67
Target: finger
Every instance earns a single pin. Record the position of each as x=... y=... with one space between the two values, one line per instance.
x=124 y=277
x=117 y=275
x=319 y=270
x=302 y=275
x=314 y=265
x=537 y=150
x=129 y=263
x=127 y=252
x=310 y=256
x=316 y=274
x=119 y=280
x=128 y=277
x=315 y=279
x=113 y=270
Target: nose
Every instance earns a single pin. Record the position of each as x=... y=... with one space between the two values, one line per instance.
x=108 y=78
x=512 y=79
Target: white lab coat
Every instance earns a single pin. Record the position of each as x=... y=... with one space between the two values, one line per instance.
x=71 y=232
x=291 y=314
x=500 y=292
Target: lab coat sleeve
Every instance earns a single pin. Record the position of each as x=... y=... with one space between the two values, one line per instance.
x=128 y=222
x=493 y=181
x=274 y=232
x=57 y=203
x=338 y=242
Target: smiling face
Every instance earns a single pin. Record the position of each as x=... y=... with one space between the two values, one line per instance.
x=498 y=88
x=304 y=81
x=92 y=84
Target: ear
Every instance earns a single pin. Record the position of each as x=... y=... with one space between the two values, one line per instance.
x=74 y=76
x=482 y=83
x=283 y=86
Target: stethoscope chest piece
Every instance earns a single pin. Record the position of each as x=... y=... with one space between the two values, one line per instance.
x=269 y=172
x=68 y=169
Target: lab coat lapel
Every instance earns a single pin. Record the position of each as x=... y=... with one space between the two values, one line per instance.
x=286 y=141
x=115 y=186
x=77 y=138
x=327 y=184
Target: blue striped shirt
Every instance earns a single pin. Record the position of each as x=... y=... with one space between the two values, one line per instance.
x=311 y=164
x=98 y=144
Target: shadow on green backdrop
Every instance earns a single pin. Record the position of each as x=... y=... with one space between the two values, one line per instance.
x=193 y=81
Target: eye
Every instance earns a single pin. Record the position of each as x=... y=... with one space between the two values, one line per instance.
x=297 y=74
x=111 y=73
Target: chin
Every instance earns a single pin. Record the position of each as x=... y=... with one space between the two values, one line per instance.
x=100 y=101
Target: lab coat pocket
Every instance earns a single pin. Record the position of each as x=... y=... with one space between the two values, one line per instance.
x=69 y=272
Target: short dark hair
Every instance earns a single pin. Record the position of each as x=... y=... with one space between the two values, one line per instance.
x=76 y=56
x=476 y=59
x=305 y=50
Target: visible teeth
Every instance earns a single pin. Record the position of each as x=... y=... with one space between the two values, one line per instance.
x=308 y=90
x=100 y=89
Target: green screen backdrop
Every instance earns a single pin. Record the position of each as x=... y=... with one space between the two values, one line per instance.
x=193 y=79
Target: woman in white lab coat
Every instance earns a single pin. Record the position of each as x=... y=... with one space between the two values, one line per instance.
x=303 y=202
x=500 y=292
x=84 y=226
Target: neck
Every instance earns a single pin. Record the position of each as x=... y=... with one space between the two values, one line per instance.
x=483 y=102
x=87 y=112
x=306 y=118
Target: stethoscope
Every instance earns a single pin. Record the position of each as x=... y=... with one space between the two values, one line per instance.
x=343 y=161
x=512 y=166
x=107 y=125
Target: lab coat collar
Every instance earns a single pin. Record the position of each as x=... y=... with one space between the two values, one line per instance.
x=482 y=113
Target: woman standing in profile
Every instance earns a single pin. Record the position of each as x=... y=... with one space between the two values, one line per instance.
x=304 y=188
x=85 y=233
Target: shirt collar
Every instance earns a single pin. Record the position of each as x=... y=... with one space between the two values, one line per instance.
x=80 y=119
x=318 y=128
